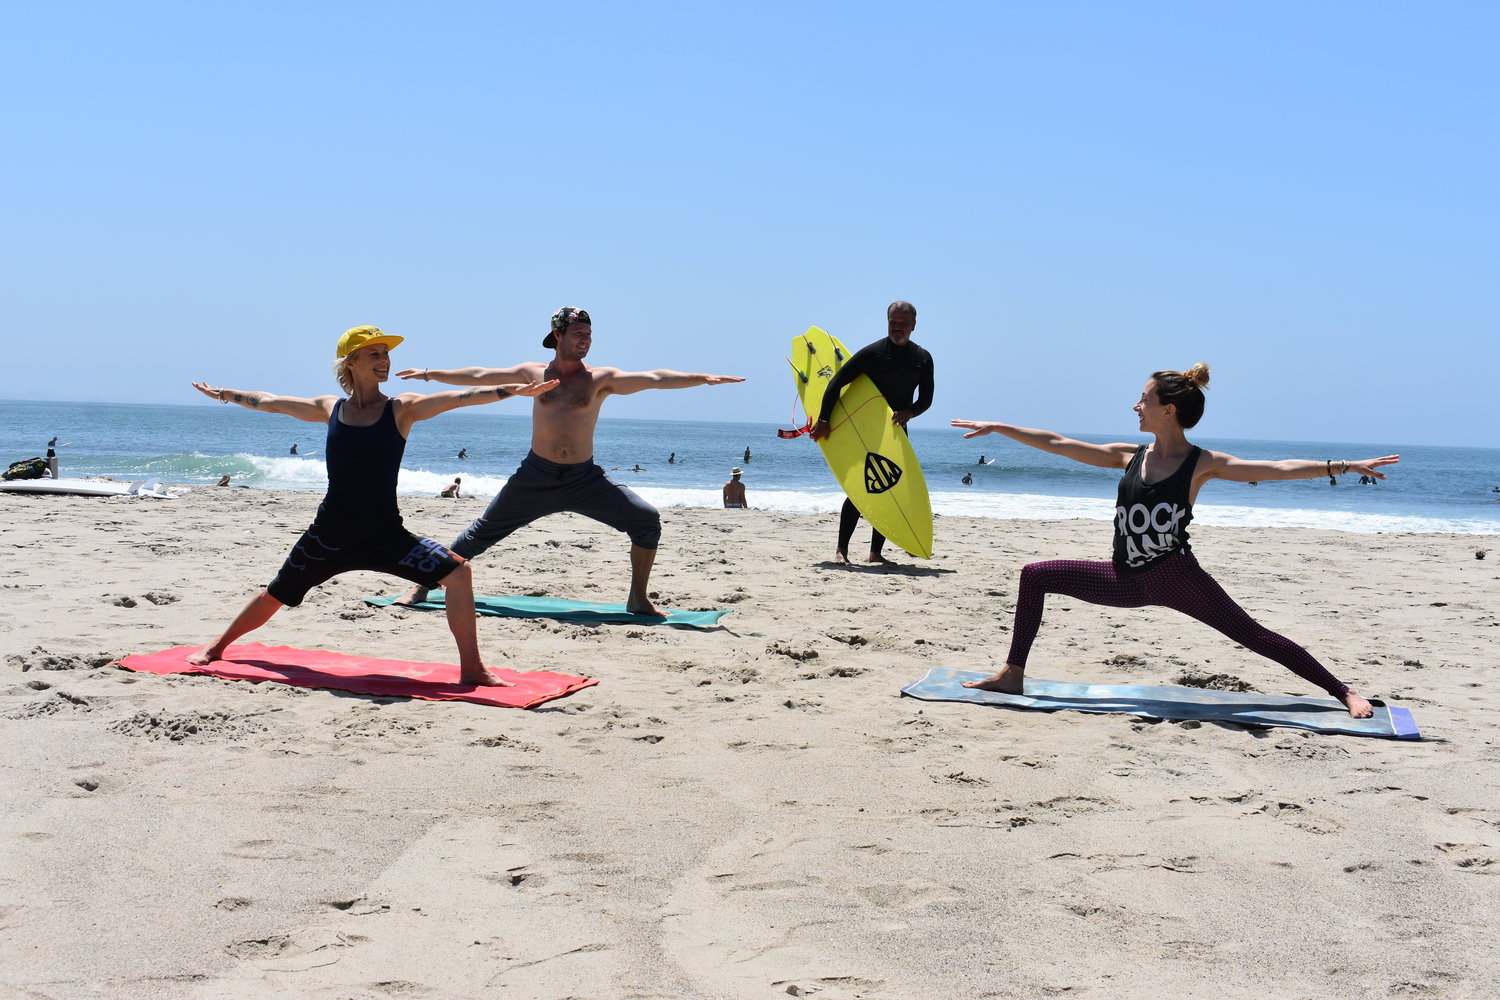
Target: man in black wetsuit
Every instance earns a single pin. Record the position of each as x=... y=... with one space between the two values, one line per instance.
x=902 y=371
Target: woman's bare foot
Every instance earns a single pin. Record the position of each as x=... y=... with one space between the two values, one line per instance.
x=1009 y=680
x=1357 y=706
x=841 y=557
x=415 y=595
x=876 y=557
x=205 y=656
x=482 y=677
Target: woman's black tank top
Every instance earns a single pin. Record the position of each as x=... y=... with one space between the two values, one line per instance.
x=363 y=463
x=1151 y=520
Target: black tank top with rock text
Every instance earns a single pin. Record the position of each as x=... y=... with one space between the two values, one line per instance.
x=1151 y=519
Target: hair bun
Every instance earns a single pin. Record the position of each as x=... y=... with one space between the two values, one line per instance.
x=1198 y=375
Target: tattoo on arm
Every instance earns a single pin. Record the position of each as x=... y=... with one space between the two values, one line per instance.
x=471 y=393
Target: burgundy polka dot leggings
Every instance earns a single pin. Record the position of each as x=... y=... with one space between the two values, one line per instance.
x=1177 y=582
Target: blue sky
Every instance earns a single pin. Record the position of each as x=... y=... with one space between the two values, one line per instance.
x=1073 y=194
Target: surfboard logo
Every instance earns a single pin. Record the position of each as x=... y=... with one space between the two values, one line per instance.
x=880 y=473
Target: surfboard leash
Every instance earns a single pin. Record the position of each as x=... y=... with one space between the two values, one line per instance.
x=807 y=427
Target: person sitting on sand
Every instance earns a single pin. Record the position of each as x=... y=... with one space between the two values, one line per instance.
x=450 y=492
x=358 y=525
x=734 y=490
x=559 y=473
x=1153 y=564
x=223 y=480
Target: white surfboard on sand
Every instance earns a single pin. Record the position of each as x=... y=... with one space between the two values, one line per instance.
x=92 y=488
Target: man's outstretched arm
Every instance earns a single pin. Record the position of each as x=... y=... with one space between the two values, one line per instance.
x=474 y=376
x=625 y=383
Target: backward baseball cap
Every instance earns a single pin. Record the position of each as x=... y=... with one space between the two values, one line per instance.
x=560 y=321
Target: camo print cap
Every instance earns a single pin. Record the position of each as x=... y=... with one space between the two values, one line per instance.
x=560 y=321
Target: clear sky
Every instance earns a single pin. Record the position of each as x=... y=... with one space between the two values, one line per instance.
x=1073 y=194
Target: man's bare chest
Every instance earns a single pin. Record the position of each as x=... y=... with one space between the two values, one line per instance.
x=570 y=395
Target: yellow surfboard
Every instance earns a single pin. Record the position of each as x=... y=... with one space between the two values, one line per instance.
x=871 y=457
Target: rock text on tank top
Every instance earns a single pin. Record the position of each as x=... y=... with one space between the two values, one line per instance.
x=1151 y=519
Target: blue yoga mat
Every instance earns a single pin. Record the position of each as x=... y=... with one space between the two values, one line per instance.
x=565 y=610
x=1323 y=714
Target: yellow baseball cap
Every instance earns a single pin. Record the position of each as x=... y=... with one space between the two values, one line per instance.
x=363 y=336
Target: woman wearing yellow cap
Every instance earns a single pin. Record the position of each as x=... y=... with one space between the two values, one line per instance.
x=358 y=525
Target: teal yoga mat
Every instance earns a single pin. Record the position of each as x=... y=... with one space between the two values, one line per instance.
x=565 y=610
x=1321 y=714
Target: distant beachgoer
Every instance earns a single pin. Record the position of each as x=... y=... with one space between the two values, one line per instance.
x=981 y=459
x=223 y=480
x=1254 y=483
x=747 y=453
x=463 y=453
x=734 y=490
x=902 y=371
x=450 y=492
x=1153 y=564
x=294 y=449
x=672 y=458
x=968 y=479
x=559 y=473
x=52 y=459
x=358 y=525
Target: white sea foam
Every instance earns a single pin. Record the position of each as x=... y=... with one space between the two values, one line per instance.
x=295 y=472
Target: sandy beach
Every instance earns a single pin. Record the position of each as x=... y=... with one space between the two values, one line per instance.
x=744 y=812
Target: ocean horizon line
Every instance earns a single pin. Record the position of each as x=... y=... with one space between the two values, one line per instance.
x=487 y=413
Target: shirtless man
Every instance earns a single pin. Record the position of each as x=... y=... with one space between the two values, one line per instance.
x=734 y=490
x=559 y=473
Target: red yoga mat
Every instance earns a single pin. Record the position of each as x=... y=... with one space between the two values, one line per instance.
x=319 y=668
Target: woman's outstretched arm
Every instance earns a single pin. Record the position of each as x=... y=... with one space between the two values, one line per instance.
x=416 y=406
x=1105 y=456
x=1247 y=470
x=316 y=410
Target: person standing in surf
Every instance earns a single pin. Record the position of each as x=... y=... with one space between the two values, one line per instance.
x=559 y=475
x=358 y=525
x=902 y=371
x=1153 y=564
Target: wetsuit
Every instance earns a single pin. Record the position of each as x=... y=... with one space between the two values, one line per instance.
x=540 y=487
x=903 y=374
x=358 y=525
x=1153 y=565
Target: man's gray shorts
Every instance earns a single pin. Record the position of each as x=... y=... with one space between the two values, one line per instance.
x=540 y=487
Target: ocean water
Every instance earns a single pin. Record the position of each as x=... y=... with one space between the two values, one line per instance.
x=1433 y=489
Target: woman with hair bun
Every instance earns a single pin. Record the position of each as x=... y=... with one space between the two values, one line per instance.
x=1153 y=564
